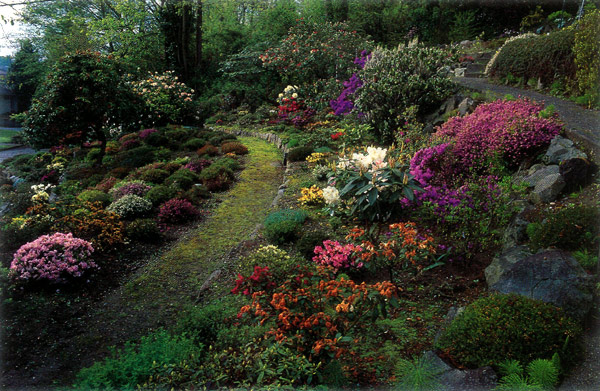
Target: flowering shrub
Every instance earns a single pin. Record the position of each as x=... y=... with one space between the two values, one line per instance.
x=311 y=195
x=331 y=195
x=52 y=258
x=143 y=134
x=279 y=262
x=315 y=316
x=135 y=187
x=315 y=51
x=209 y=150
x=41 y=195
x=402 y=247
x=372 y=184
x=317 y=157
x=511 y=130
x=130 y=206
x=106 y=184
x=234 y=147
x=177 y=211
x=342 y=105
x=292 y=109
x=197 y=165
x=166 y=98
x=338 y=256
x=260 y=280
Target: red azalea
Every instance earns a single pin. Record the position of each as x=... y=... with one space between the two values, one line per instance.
x=337 y=135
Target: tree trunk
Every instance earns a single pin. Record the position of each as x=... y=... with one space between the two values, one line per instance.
x=199 y=36
x=102 y=138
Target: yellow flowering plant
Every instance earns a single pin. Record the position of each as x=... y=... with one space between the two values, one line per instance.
x=311 y=196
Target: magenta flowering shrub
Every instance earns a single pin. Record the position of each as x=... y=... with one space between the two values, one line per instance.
x=52 y=258
x=198 y=165
x=146 y=132
x=177 y=211
x=339 y=256
x=135 y=187
x=510 y=130
x=342 y=105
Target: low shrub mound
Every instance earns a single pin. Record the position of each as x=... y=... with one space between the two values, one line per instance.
x=160 y=194
x=283 y=225
x=209 y=150
x=135 y=187
x=94 y=196
x=52 y=258
x=130 y=206
x=508 y=327
x=177 y=211
x=234 y=147
x=143 y=230
x=182 y=179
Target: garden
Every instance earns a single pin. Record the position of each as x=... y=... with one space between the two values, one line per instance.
x=328 y=209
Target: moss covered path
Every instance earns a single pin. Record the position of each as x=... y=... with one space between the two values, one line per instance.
x=156 y=294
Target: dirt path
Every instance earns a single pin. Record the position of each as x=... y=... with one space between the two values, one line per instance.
x=155 y=295
x=582 y=125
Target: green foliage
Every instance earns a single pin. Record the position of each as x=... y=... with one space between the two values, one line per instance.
x=569 y=228
x=143 y=230
x=26 y=73
x=586 y=48
x=94 y=196
x=543 y=57
x=586 y=259
x=394 y=79
x=196 y=194
x=193 y=144
x=306 y=244
x=299 y=154
x=138 y=157
x=419 y=374
x=279 y=262
x=530 y=329
x=283 y=225
x=136 y=362
x=544 y=373
x=130 y=206
x=541 y=375
x=159 y=194
x=464 y=26
x=81 y=99
x=182 y=179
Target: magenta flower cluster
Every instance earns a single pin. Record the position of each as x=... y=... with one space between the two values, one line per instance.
x=509 y=129
x=337 y=255
x=197 y=165
x=137 y=188
x=342 y=105
x=146 y=132
x=52 y=258
x=177 y=211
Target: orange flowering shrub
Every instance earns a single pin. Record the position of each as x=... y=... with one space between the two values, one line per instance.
x=402 y=247
x=316 y=315
x=103 y=229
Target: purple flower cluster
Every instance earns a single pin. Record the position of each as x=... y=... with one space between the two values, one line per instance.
x=509 y=129
x=146 y=132
x=51 y=258
x=197 y=165
x=342 y=105
x=138 y=188
x=427 y=163
x=339 y=256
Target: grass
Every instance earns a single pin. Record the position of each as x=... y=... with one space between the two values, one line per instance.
x=6 y=135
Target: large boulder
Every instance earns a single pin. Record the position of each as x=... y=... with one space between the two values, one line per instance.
x=552 y=276
x=538 y=172
x=452 y=379
x=577 y=172
x=548 y=188
x=562 y=149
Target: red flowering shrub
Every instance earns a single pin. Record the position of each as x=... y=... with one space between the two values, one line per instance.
x=209 y=150
x=260 y=280
x=234 y=147
x=338 y=256
x=146 y=132
x=52 y=258
x=177 y=211
x=316 y=315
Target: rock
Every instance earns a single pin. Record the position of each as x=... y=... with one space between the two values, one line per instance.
x=466 y=43
x=562 y=149
x=465 y=106
x=515 y=233
x=538 y=172
x=576 y=172
x=428 y=129
x=459 y=72
x=548 y=188
x=469 y=380
x=552 y=276
x=539 y=86
x=503 y=262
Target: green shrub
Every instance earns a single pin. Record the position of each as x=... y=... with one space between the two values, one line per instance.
x=540 y=57
x=130 y=206
x=569 y=228
x=143 y=230
x=209 y=150
x=587 y=260
x=217 y=138
x=283 y=225
x=135 y=363
x=93 y=154
x=586 y=48
x=500 y=327
x=138 y=157
x=299 y=154
x=157 y=139
x=227 y=163
x=193 y=144
x=196 y=194
x=182 y=179
x=419 y=374
x=541 y=375
x=306 y=244
x=156 y=176
x=279 y=262
x=219 y=175
x=94 y=196
x=159 y=194
x=398 y=78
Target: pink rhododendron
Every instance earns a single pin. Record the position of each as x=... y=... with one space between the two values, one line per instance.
x=337 y=255
x=52 y=258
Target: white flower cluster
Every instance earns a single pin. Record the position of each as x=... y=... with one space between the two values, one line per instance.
x=331 y=195
x=373 y=160
x=289 y=92
x=42 y=193
x=490 y=64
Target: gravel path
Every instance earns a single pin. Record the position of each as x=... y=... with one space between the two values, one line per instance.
x=8 y=153
x=582 y=125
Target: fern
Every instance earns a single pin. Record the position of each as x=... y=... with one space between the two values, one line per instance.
x=510 y=367
x=516 y=382
x=419 y=374
x=544 y=373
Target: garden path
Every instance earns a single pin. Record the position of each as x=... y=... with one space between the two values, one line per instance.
x=582 y=125
x=8 y=153
x=156 y=295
